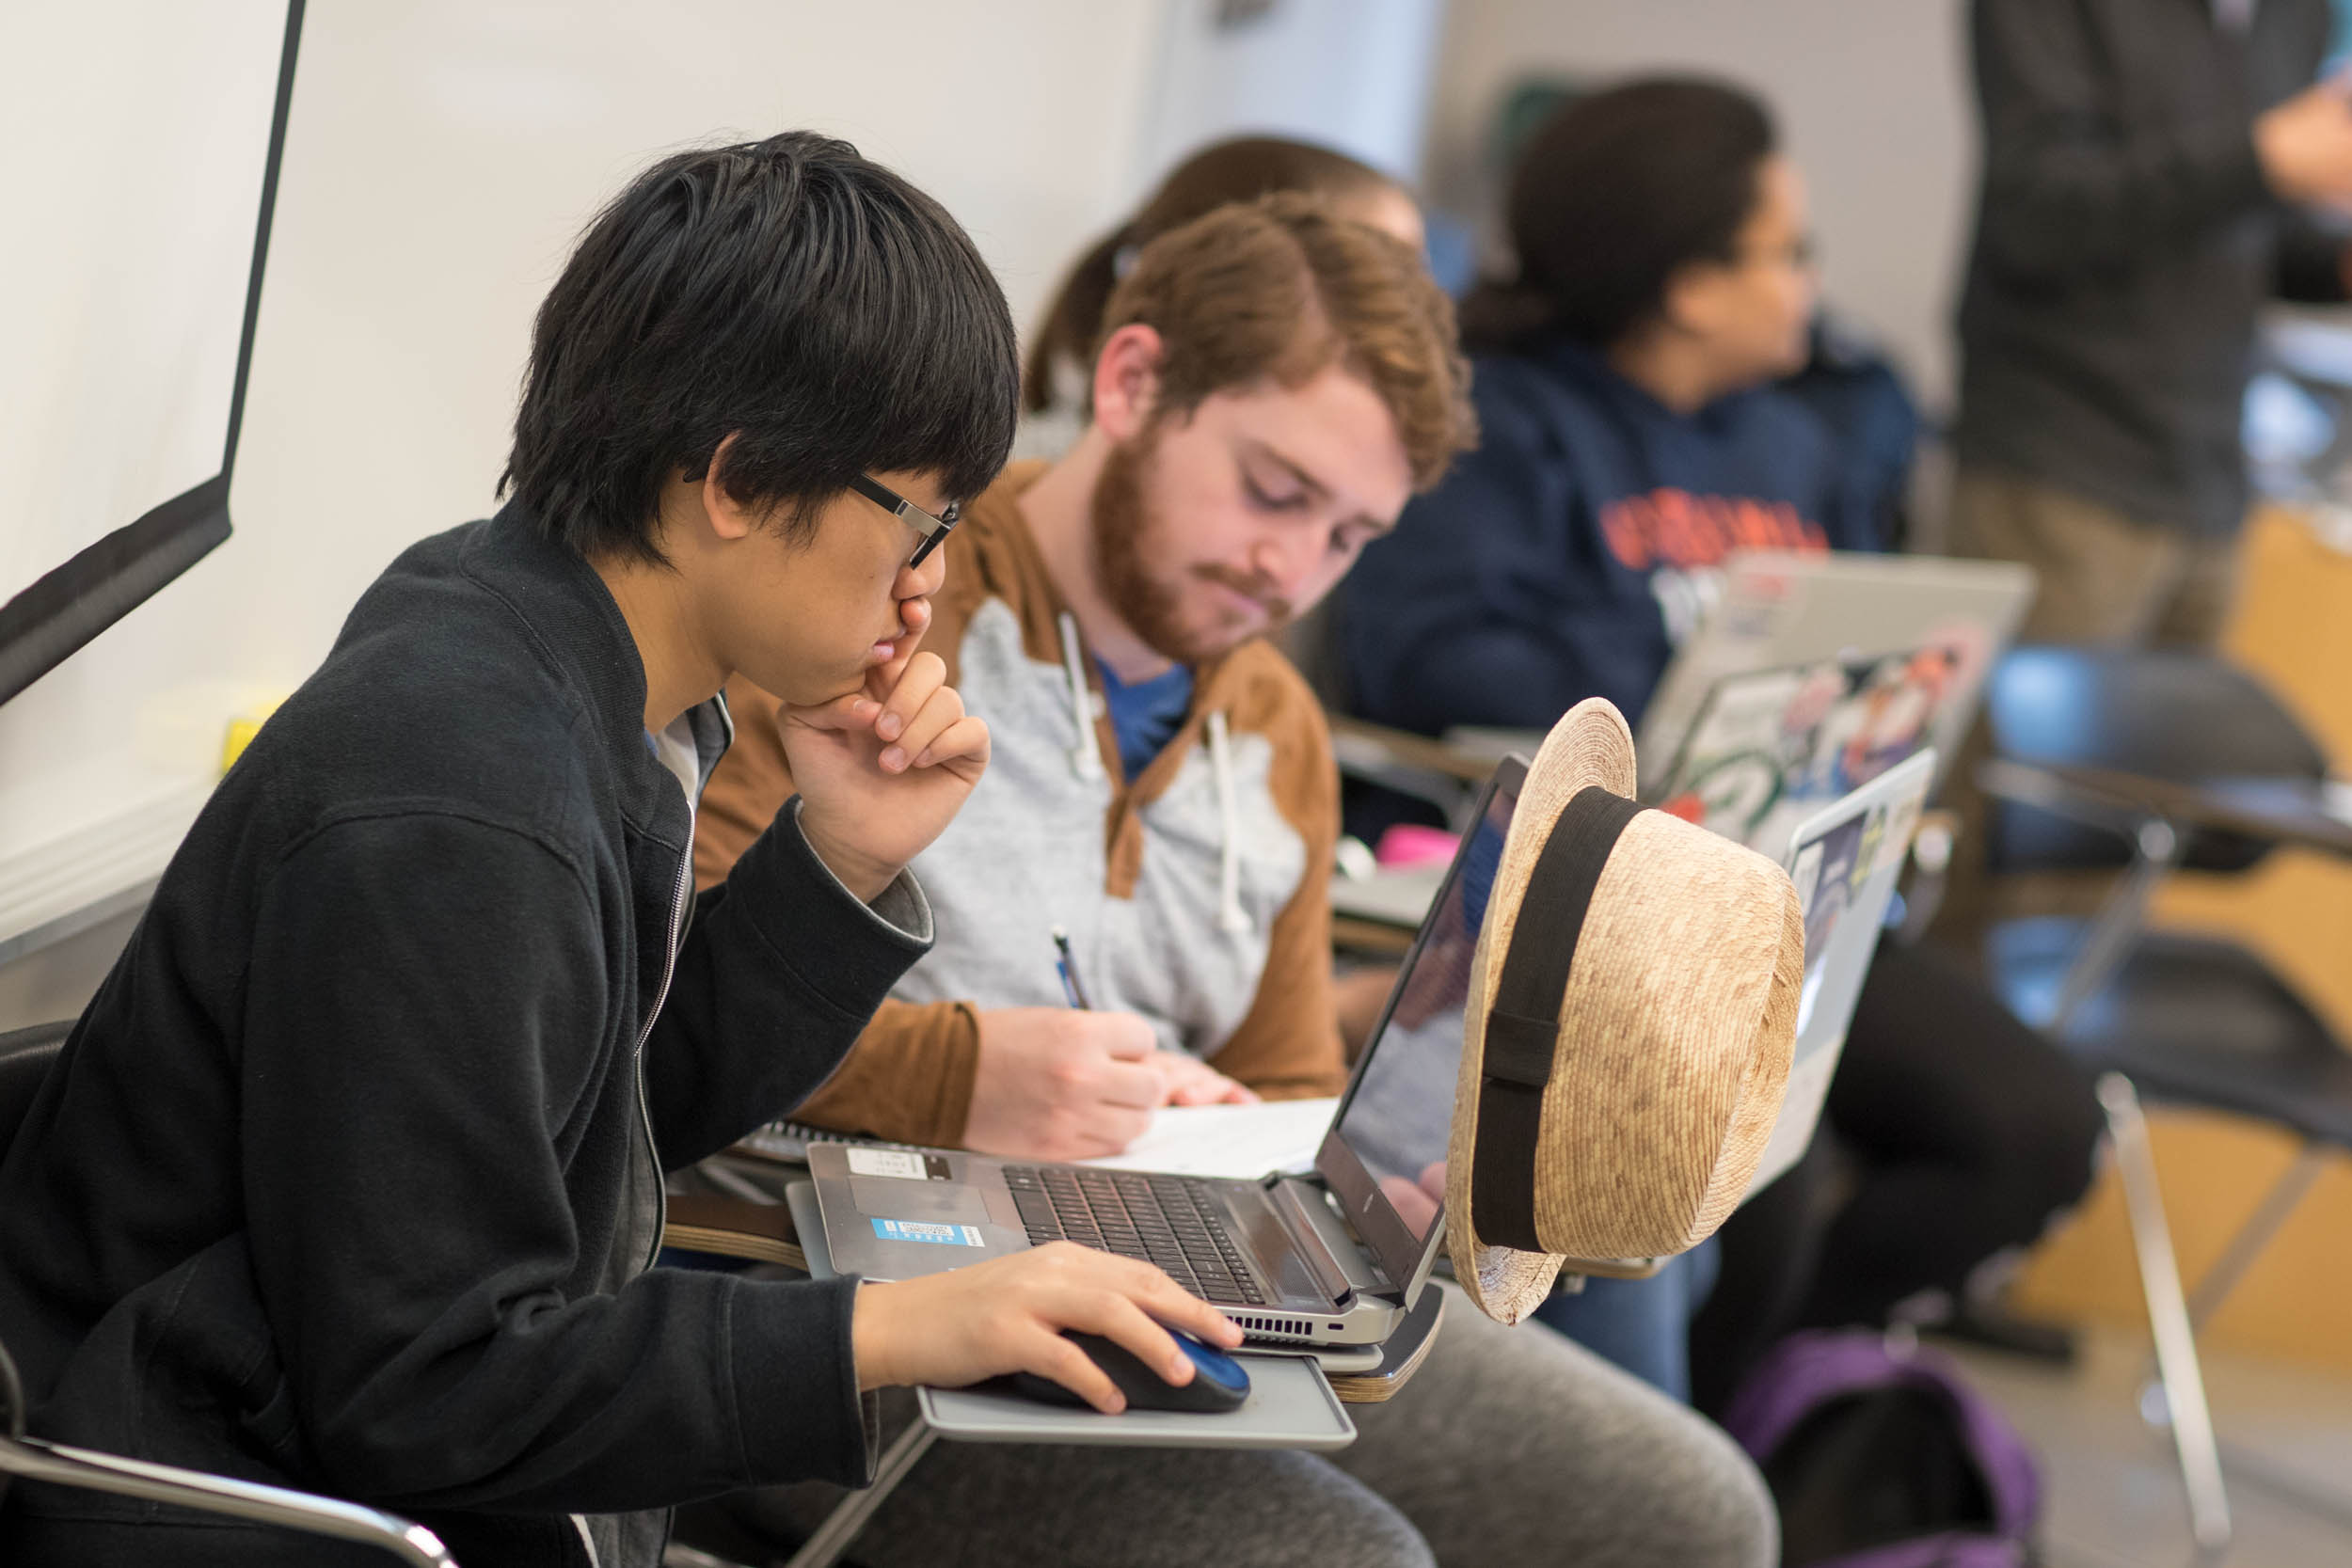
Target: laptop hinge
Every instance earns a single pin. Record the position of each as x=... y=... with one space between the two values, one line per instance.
x=1292 y=1209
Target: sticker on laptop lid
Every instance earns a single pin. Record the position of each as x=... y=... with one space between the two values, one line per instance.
x=886 y=1161
x=904 y=1164
x=923 y=1230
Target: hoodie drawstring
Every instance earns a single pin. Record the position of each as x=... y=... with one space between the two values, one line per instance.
x=1085 y=757
x=1230 y=916
x=1086 y=760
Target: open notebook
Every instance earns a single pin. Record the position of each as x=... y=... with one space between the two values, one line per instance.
x=1237 y=1141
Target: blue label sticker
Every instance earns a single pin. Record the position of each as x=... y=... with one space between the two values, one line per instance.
x=916 y=1230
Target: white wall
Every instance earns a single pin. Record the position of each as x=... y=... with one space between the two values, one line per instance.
x=1871 y=95
x=444 y=153
x=1354 y=75
x=440 y=157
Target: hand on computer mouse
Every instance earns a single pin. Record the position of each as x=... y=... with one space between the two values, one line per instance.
x=1218 y=1383
x=955 y=1328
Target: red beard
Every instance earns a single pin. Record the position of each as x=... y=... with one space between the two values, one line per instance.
x=1125 y=532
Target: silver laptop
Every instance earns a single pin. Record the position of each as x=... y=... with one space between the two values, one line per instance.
x=1328 y=1258
x=1771 y=747
x=1776 y=611
x=1845 y=861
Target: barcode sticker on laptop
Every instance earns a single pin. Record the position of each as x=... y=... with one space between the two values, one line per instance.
x=886 y=1161
x=919 y=1230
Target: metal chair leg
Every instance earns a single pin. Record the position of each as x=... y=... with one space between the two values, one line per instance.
x=2215 y=1285
x=2245 y=1465
x=2167 y=1319
x=849 y=1516
x=2156 y=854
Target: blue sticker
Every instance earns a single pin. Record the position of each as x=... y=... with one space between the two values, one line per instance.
x=916 y=1230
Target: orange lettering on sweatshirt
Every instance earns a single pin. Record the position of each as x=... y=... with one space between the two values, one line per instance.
x=1673 y=528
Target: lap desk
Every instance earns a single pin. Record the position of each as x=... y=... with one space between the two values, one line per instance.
x=1291 y=1404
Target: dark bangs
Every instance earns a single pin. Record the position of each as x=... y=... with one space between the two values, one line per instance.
x=788 y=291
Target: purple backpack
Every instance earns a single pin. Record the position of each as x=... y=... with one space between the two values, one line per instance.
x=1882 y=1458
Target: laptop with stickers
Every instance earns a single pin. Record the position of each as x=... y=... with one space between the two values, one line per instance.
x=1845 y=859
x=1333 y=1256
x=1947 y=621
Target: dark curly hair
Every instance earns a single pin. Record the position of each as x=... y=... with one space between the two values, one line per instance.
x=1613 y=195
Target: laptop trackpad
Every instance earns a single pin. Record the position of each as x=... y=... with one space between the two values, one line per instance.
x=944 y=1202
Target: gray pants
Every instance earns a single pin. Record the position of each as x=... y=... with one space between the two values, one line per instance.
x=1510 y=1445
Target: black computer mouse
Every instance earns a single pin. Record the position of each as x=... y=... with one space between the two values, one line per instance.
x=1219 y=1381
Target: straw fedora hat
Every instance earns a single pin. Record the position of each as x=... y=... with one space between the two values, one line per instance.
x=1632 y=1008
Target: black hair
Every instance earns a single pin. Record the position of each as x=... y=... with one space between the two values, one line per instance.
x=788 y=292
x=1613 y=195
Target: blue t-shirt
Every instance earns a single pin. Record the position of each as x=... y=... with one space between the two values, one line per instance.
x=1146 y=716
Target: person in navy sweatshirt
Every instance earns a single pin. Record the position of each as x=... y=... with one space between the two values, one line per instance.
x=1637 y=428
x=1632 y=434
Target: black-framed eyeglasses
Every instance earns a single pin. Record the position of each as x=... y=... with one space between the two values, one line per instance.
x=934 y=530
x=1803 y=252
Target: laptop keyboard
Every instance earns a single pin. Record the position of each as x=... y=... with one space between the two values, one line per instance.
x=1173 y=1221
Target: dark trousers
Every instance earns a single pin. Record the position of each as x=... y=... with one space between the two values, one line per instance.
x=1953 y=1131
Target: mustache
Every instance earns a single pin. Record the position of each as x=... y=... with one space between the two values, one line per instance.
x=1254 y=586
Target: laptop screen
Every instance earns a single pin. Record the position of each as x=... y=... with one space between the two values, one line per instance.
x=1385 y=1155
x=1845 y=861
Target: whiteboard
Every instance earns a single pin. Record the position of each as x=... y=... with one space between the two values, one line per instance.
x=138 y=141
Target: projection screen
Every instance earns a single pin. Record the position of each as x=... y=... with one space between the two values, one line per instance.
x=140 y=139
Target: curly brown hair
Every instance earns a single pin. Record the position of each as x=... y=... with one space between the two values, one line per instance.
x=1281 y=288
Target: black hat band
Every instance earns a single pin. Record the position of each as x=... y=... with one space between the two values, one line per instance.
x=1522 y=1030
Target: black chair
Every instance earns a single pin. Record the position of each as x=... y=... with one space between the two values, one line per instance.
x=2138 y=762
x=26 y=1056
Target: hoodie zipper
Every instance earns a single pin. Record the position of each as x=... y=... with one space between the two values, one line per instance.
x=644 y=1109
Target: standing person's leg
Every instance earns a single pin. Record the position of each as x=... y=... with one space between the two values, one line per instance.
x=2202 y=594
x=1642 y=1326
x=988 y=1505
x=2102 y=575
x=1513 y=1445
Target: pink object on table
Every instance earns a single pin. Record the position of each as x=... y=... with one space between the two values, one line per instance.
x=1410 y=843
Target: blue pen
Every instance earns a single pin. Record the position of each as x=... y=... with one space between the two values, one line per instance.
x=1067 y=967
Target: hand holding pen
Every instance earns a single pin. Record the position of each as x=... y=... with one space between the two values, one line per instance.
x=1189 y=1080
x=1067 y=967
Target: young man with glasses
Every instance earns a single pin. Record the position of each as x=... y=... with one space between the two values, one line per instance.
x=349 y=1176
x=1271 y=383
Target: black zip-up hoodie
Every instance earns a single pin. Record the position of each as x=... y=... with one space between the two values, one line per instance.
x=346 y=1178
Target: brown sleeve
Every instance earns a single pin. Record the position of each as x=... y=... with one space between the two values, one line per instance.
x=1288 y=1046
x=909 y=1078
x=749 y=786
